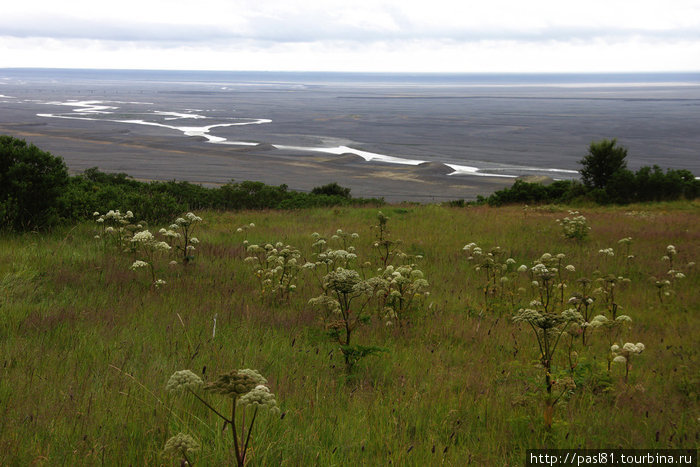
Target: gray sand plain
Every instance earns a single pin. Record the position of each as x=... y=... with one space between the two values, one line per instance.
x=510 y=130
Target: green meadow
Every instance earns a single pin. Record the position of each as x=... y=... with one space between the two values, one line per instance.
x=87 y=344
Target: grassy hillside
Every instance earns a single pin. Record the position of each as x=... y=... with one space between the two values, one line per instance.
x=87 y=344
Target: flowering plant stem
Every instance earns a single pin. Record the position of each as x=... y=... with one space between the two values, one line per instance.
x=239 y=450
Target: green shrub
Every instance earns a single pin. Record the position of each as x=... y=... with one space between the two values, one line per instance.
x=332 y=189
x=31 y=181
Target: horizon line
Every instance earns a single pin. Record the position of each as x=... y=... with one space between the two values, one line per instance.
x=376 y=72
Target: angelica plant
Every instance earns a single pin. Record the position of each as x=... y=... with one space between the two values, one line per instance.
x=327 y=256
x=398 y=289
x=149 y=248
x=608 y=286
x=181 y=445
x=244 y=230
x=180 y=236
x=384 y=246
x=627 y=243
x=116 y=229
x=548 y=322
x=548 y=326
x=612 y=328
x=276 y=268
x=624 y=355
x=574 y=227
x=665 y=287
x=584 y=301
x=247 y=390
x=488 y=265
x=342 y=306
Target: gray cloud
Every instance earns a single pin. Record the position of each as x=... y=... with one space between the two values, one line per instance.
x=309 y=29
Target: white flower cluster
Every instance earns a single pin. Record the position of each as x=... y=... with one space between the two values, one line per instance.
x=276 y=267
x=138 y=264
x=147 y=240
x=547 y=320
x=624 y=353
x=183 y=379
x=180 y=444
x=603 y=321
x=116 y=226
x=575 y=227
x=607 y=252
x=397 y=288
x=260 y=397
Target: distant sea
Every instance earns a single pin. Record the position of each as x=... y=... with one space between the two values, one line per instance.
x=501 y=125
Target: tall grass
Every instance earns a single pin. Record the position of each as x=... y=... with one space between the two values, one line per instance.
x=86 y=346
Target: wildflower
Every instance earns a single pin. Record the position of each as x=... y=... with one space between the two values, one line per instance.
x=260 y=397
x=598 y=321
x=624 y=354
x=522 y=268
x=138 y=264
x=162 y=246
x=236 y=383
x=183 y=379
x=607 y=251
x=142 y=237
x=194 y=240
x=570 y=268
x=95 y=213
x=180 y=444
x=159 y=282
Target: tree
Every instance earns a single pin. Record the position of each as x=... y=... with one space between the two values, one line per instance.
x=604 y=159
x=31 y=182
x=332 y=189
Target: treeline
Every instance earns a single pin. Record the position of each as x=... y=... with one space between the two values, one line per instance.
x=36 y=192
x=605 y=179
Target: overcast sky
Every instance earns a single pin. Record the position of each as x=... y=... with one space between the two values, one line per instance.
x=354 y=35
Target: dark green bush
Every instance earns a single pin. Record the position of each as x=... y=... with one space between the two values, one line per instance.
x=31 y=182
x=157 y=202
x=332 y=189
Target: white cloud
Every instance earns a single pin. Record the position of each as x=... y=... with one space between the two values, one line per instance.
x=362 y=35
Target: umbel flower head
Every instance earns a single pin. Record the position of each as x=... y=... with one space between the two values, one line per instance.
x=180 y=444
x=261 y=398
x=138 y=264
x=623 y=354
x=183 y=379
x=236 y=382
x=546 y=320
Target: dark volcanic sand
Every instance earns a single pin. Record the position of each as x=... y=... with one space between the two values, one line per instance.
x=483 y=127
